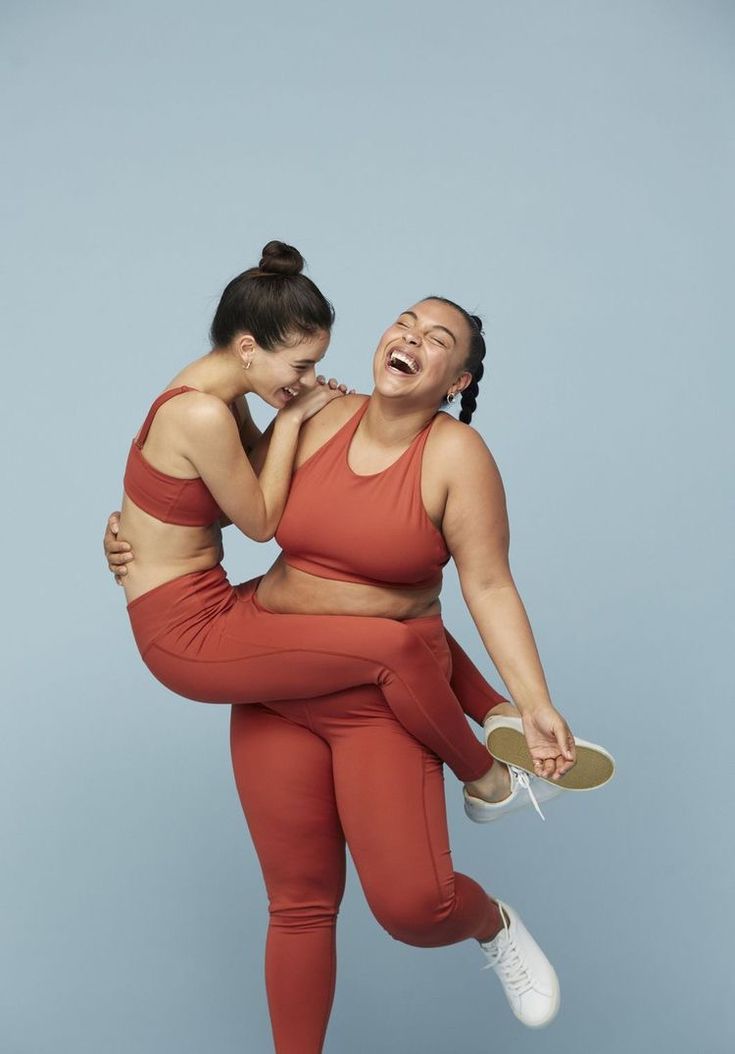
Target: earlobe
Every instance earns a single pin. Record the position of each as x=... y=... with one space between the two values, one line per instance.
x=246 y=349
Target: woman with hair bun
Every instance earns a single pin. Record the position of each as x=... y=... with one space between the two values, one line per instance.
x=384 y=491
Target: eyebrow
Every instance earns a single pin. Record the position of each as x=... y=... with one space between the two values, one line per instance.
x=436 y=326
x=306 y=362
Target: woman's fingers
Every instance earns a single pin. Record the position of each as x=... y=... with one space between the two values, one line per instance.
x=117 y=553
x=118 y=560
x=565 y=739
x=335 y=384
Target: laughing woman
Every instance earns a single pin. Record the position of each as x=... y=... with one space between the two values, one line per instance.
x=385 y=491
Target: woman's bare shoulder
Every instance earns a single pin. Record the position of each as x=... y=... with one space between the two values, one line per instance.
x=334 y=414
x=198 y=409
x=453 y=440
x=320 y=428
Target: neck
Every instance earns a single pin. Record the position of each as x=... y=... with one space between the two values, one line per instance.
x=216 y=373
x=391 y=422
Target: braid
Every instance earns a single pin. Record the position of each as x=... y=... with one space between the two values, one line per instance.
x=468 y=403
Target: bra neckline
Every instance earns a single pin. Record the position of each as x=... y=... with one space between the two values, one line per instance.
x=374 y=475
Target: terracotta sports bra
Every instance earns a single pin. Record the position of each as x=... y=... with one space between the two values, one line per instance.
x=185 y=502
x=368 y=529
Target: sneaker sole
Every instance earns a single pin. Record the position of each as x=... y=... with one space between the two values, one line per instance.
x=593 y=767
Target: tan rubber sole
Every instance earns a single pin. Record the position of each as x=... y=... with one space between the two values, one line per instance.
x=591 y=769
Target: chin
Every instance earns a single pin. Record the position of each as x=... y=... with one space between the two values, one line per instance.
x=274 y=400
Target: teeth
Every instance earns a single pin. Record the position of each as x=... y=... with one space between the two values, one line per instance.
x=291 y=391
x=401 y=356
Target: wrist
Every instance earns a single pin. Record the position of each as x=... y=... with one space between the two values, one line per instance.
x=288 y=417
x=529 y=707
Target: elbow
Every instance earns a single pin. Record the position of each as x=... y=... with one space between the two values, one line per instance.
x=261 y=534
x=260 y=527
x=482 y=588
x=265 y=531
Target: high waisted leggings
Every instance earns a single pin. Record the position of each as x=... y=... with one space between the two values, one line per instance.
x=210 y=641
x=316 y=773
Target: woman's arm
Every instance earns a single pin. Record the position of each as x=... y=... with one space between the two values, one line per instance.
x=211 y=441
x=249 y=432
x=475 y=526
x=254 y=442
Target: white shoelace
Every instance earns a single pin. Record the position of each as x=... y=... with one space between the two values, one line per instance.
x=508 y=963
x=524 y=780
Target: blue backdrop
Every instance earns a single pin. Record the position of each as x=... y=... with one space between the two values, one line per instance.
x=565 y=169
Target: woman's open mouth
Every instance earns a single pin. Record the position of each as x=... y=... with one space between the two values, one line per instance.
x=290 y=393
x=399 y=361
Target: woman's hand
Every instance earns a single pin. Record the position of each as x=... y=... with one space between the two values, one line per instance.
x=550 y=741
x=117 y=553
x=314 y=399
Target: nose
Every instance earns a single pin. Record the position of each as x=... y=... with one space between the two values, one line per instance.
x=308 y=378
x=411 y=336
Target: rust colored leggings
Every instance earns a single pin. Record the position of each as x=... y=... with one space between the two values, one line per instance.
x=317 y=773
x=207 y=640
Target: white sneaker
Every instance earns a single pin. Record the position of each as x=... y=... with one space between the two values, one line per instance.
x=506 y=742
x=528 y=978
x=525 y=789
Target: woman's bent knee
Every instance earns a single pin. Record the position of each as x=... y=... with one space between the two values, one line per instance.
x=414 y=921
x=400 y=646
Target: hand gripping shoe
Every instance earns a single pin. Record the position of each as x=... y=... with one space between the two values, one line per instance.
x=506 y=742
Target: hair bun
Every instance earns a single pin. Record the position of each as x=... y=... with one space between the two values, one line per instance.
x=279 y=258
x=478 y=321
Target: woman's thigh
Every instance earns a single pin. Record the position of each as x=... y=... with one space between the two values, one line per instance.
x=390 y=796
x=283 y=773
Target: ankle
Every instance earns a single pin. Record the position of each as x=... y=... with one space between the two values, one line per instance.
x=504 y=709
x=494 y=786
x=503 y=922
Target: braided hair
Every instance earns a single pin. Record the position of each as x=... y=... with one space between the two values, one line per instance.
x=475 y=357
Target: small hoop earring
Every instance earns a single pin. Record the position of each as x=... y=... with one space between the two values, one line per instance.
x=247 y=364
x=450 y=397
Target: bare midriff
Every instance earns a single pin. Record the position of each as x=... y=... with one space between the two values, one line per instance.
x=164 y=551
x=285 y=589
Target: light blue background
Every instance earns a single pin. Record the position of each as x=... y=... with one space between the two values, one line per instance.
x=566 y=169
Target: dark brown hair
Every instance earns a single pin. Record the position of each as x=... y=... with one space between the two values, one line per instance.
x=274 y=301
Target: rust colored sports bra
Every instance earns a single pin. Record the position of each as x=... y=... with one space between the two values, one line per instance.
x=185 y=502
x=368 y=529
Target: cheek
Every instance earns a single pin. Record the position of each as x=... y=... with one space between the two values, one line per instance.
x=388 y=337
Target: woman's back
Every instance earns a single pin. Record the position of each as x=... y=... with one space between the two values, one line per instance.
x=168 y=514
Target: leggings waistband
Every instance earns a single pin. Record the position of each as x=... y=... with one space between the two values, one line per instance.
x=198 y=595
